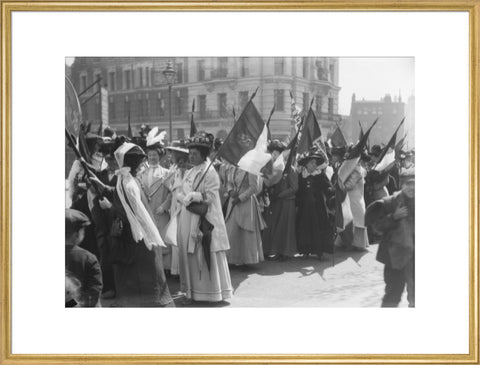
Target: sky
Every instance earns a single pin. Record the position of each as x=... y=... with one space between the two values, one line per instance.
x=371 y=78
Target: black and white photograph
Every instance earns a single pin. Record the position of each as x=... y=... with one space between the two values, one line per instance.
x=239 y=182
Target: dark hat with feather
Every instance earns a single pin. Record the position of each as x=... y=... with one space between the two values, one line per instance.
x=156 y=140
x=314 y=153
x=201 y=139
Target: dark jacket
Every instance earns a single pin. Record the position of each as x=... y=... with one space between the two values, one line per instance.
x=397 y=245
x=85 y=267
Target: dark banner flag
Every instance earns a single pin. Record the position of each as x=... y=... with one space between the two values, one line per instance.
x=246 y=144
x=309 y=134
x=338 y=139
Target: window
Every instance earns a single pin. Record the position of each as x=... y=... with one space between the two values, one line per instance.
x=146 y=105
x=119 y=79
x=320 y=71
x=306 y=101
x=279 y=100
x=147 y=76
x=140 y=107
x=305 y=67
x=140 y=77
x=244 y=67
x=332 y=72
x=201 y=70
x=127 y=79
x=318 y=106
x=126 y=108
x=279 y=65
x=160 y=105
x=85 y=113
x=111 y=81
x=222 y=104
x=97 y=76
x=243 y=98
x=222 y=69
x=330 y=106
x=202 y=105
x=178 y=103
x=83 y=83
x=179 y=67
x=111 y=109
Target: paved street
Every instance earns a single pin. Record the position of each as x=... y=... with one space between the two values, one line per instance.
x=356 y=280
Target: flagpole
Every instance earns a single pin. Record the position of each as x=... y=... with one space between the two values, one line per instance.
x=270 y=116
x=193 y=128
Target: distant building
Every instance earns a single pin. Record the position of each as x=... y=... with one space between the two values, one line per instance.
x=390 y=113
x=137 y=88
x=410 y=123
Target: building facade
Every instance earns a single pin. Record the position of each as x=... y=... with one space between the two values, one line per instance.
x=389 y=113
x=137 y=90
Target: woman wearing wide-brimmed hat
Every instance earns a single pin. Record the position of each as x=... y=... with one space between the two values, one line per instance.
x=136 y=242
x=154 y=184
x=202 y=236
x=243 y=218
x=279 y=238
x=315 y=218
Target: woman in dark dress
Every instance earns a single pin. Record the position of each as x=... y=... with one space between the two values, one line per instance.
x=279 y=237
x=136 y=243
x=315 y=219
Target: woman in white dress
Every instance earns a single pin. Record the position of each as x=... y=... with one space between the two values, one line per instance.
x=179 y=158
x=153 y=181
x=202 y=238
x=243 y=218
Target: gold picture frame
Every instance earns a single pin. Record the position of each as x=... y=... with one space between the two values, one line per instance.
x=7 y=7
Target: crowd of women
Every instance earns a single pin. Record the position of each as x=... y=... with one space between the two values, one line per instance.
x=175 y=210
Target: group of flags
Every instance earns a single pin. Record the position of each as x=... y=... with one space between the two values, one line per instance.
x=246 y=146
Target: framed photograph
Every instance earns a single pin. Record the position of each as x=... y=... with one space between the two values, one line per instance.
x=240 y=182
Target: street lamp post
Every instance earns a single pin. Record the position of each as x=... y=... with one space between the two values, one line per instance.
x=169 y=74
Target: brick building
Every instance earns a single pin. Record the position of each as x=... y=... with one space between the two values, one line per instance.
x=137 y=88
x=390 y=112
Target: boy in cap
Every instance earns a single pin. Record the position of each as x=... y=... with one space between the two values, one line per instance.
x=394 y=217
x=80 y=263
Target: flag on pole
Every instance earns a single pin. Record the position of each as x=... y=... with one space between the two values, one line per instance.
x=292 y=146
x=246 y=144
x=268 y=123
x=353 y=156
x=193 y=127
x=338 y=139
x=310 y=133
x=361 y=131
x=387 y=156
x=399 y=146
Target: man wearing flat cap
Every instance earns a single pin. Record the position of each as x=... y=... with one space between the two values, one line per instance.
x=394 y=217
x=79 y=263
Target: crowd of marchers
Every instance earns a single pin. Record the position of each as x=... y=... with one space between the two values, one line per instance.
x=143 y=210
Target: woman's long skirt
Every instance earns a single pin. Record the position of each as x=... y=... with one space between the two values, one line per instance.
x=198 y=281
x=279 y=238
